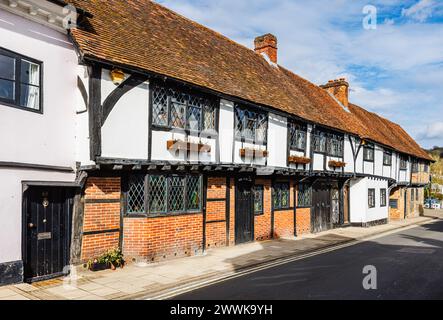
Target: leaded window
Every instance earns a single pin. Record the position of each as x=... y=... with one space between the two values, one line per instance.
x=335 y=145
x=157 y=194
x=319 y=140
x=403 y=162
x=297 y=136
x=251 y=126
x=304 y=195
x=415 y=166
x=136 y=194
x=281 y=196
x=369 y=152
x=20 y=81
x=165 y=194
x=371 y=198
x=258 y=199
x=387 y=158
x=176 y=109
x=383 y=197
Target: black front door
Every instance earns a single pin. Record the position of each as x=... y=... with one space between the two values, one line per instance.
x=244 y=211
x=321 y=215
x=47 y=230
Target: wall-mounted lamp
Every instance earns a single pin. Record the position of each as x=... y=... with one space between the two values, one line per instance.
x=363 y=142
x=117 y=76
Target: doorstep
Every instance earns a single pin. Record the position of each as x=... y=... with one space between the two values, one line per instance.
x=166 y=279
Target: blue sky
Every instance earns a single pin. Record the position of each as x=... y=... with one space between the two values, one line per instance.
x=395 y=70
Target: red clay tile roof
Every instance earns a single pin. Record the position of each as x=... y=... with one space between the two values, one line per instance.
x=145 y=35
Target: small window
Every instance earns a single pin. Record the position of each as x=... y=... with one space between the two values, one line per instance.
x=393 y=204
x=335 y=145
x=297 y=136
x=371 y=198
x=319 y=141
x=258 y=199
x=403 y=163
x=250 y=125
x=368 y=152
x=426 y=168
x=387 y=158
x=281 y=196
x=20 y=81
x=415 y=166
x=383 y=197
x=304 y=195
x=136 y=195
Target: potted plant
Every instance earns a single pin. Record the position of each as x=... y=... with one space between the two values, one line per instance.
x=110 y=259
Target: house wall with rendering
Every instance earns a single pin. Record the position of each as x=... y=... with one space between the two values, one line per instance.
x=36 y=145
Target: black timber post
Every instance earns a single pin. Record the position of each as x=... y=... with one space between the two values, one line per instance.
x=228 y=209
x=95 y=112
x=205 y=197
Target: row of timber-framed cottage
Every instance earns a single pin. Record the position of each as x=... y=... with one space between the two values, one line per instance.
x=126 y=125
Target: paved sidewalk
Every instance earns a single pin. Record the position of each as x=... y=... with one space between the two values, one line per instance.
x=154 y=280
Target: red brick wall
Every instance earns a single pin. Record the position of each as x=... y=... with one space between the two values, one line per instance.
x=216 y=211
x=303 y=221
x=161 y=238
x=101 y=216
x=262 y=223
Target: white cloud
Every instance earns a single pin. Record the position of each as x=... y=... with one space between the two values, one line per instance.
x=432 y=131
x=420 y=11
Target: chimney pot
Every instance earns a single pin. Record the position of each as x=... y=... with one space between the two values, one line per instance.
x=339 y=88
x=267 y=44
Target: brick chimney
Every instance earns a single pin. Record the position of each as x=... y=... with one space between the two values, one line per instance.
x=339 y=89
x=267 y=44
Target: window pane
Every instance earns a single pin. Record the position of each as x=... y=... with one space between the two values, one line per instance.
x=157 y=194
x=194 y=193
x=30 y=96
x=160 y=106
x=258 y=199
x=209 y=118
x=178 y=115
x=304 y=195
x=7 y=89
x=262 y=126
x=176 y=194
x=30 y=73
x=7 y=67
x=136 y=194
x=281 y=196
x=194 y=118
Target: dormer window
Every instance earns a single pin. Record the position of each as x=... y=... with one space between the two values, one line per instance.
x=20 y=81
x=297 y=136
x=176 y=109
x=250 y=125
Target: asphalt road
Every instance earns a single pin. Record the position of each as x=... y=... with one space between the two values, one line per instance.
x=409 y=265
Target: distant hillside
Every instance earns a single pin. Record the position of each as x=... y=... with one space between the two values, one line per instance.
x=437 y=168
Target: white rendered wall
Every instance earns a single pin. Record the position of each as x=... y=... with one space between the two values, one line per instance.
x=359 y=207
x=348 y=156
x=46 y=138
x=226 y=130
x=11 y=207
x=277 y=141
x=125 y=132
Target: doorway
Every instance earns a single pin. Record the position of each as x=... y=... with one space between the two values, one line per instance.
x=46 y=232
